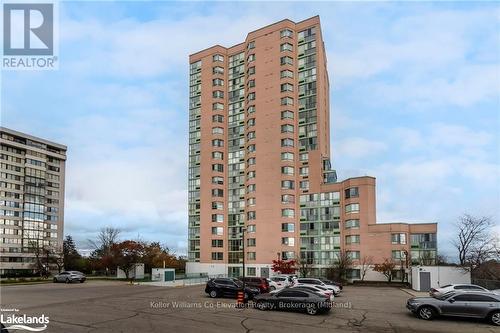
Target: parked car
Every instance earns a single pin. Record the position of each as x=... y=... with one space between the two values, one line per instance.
x=258 y=282
x=333 y=283
x=318 y=282
x=472 y=304
x=281 y=281
x=318 y=289
x=455 y=287
x=273 y=285
x=70 y=276
x=229 y=287
x=294 y=299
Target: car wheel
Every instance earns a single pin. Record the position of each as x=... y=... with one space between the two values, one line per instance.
x=426 y=313
x=272 y=288
x=495 y=318
x=312 y=309
x=213 y=293
x=263 y=306
x=67 y=280
x=55 y=280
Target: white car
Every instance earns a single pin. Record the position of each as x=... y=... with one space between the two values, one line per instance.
x=317 y=282
x=434 y=292
x=273 y=285
x=319 y=289
x=279 y=282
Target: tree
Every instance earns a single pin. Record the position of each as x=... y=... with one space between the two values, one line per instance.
x=385 y=268
x=338 y=271
x=72 y=259
x=126 y=254
x=101 y=257
x=475 y=242
x=365 y=263
x=284 y=266
x=156 y=255
x=305 y=267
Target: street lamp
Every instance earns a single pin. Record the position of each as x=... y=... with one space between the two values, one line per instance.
x=243 y=229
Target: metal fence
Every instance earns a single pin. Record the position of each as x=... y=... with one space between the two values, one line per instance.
x=488 y=284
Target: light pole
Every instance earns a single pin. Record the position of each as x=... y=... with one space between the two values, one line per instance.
x=243 y=229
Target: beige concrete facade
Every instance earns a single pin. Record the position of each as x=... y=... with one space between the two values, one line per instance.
x=260 y=159
x=31 y=198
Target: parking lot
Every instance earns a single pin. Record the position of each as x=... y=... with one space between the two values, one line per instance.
x=101 y=306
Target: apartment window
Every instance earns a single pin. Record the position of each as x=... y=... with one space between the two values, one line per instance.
x=217 y=106
x=217 y=255
x=217 y=130
x=286 y=33
x=217 y=82
x=288 y=212
x=217 y=218
x=251 y=70
x=287 y=170
x=304 y=171
x=218 y=180
x=217 y=118
x=251 y=57
x=251 y=161
x=287 y=255
x=287 y=227
x=286 y=101
x=352 y=208
x=286 y=47
x=218 y=57
x=286 y=60
x=251 y=83
x=251 y=271
x=251 y=242
x=304 y=185
x=251 y=45
x=288 y=198
x=251 y=109
x=286 y=156
x=251 y=228
x=218 y=167
x=398 y=238
x=219 y=231
x=352 y=239
x=353 y=273
x=251 y=174
x=288 y=241
x=286 y=73
x=251 y=122
x=304 y=157
x=286 y=87
x=251 y=188
x=251 y=201
x=286 y=114
x=251 y=256
x=287 y=184
x=217 y=243
x=252 y=215
x=287 y=142
x=352 y=224
x=351 y=193
x=398 y=254
x=217 y=143
x=353 y=254
x=217 y=155
x=251 y=148
x=251 y=96
x=218 y=70
x=218 y=94
x=286 y=128
x=217 y=192
x=219 y=205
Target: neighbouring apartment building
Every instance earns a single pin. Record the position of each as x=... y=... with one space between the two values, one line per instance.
x=259 y=159
x=31 y=199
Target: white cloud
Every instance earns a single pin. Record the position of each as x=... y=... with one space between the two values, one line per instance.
x=359 y=147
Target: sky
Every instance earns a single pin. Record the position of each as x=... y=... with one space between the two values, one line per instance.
x=415 y=102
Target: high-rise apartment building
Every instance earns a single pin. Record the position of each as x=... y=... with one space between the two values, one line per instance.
x=259 y=159
x=31 y=199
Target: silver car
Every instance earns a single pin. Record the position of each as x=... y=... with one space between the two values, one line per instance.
x=485 y=305
x=70 y=276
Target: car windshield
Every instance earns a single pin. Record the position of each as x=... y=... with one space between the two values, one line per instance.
x=445 y=295
x=238 y=282
x=448 y=285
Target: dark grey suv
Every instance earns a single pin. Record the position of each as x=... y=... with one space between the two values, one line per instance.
x=459 y=304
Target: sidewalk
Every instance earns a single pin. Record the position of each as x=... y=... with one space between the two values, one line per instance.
x=414 y=293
